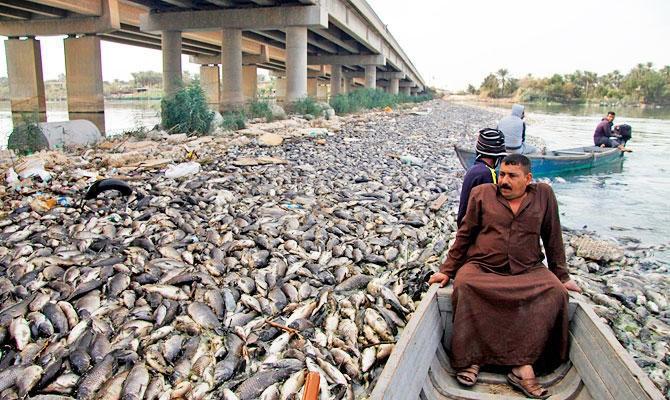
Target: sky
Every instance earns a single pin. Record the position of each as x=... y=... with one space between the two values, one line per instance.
x=456 y=43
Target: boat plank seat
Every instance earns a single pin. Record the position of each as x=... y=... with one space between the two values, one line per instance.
x=598 y=368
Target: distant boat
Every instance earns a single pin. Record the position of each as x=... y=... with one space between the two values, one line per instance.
x=598 y=366
x=560 y=162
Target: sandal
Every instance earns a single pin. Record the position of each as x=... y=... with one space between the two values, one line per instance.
x=468 y=376
x=530 y=387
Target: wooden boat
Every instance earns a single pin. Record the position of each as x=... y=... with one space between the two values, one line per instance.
x=598 y=368
x=560 y=162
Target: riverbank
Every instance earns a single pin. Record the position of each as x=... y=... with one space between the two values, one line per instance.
x=296 y=221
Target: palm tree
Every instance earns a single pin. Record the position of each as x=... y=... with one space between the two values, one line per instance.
x=502 y=73
x=590 y=78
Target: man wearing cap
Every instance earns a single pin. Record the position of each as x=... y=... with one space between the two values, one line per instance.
x=489 y=151
x=509 y=309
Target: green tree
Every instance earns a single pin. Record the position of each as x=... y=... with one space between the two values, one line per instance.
x=502 y=73
x=147 y=78
x=490 y=86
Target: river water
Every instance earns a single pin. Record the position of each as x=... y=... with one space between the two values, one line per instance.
x=629 y=203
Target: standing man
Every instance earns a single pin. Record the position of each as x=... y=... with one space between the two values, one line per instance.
x=509 y=309
x=603 y=135
x=515 y=131
x=489 y=151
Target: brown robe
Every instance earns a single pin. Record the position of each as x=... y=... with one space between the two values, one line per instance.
x=509 y=309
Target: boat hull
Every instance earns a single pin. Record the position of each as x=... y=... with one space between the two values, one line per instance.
x=563 y=162
x=598 y=368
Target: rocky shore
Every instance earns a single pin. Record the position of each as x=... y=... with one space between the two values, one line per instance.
x=244 y=259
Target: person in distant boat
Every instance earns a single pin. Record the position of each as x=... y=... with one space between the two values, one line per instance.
x=489 y=151
x=603 y=136
x=514 y=129
x=509 y=308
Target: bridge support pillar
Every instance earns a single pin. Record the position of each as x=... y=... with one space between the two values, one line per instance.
x=171 y=48
x=349 y=85
x=211 y=84
x=26 y=82
x=406 y=90
x=394 y=85
x=322 y=92
x=335 y=80
x=232 y=96
x=296 y=63
x=250 y=84
x=280 y=88
x=371 y=76
x=313 y=87
x=83 y=71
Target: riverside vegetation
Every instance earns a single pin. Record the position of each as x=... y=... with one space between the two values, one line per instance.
x=269 y=261
x=641 y=85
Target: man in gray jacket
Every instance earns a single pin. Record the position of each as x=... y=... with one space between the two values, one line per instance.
x=514 y=129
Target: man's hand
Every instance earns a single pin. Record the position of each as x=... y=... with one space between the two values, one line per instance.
x=570 y=285
x=440 y=278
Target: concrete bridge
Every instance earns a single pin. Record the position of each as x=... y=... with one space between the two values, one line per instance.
x=314 y=47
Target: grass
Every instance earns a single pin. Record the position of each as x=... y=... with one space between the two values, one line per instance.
x=306 y=106
x=260 y=109
x=234 y=120
x=186 y=111
x=364 y=99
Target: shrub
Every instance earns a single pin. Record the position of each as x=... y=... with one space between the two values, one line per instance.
x=234 y=120
x=186 y=111
x=27 y=137
x=340 y=104
x=362 y=99
x=305 y=106
x=260 y=109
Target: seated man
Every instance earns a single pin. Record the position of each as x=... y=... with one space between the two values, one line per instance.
x=514 y=129
x=509 y=309
x=489 y=151
x=603 y=136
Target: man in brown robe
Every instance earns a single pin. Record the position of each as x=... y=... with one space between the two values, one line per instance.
x=509 y=308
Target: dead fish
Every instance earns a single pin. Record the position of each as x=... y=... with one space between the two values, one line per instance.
x=203 y=315
x=355 y=282
x=136 y=383
x=167 y=291
x=20 y=332
x=254 y=386
x=93 y=380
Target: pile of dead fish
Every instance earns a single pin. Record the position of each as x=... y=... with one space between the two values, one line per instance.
x=630 y=290
x=234 y=281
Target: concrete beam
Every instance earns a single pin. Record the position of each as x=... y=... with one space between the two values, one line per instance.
x=26 y=82
x=107 y=21
x=83 y=71
x=358 y=20
x=408 y=84
x=379 y=74
x=248 y=18
x=348 y=45
x=371 y=59
x=247 y=59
